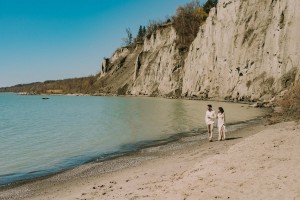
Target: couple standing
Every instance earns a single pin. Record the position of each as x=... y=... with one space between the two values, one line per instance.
x=210 y=120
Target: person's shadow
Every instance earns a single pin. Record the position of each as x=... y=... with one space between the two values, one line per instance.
x=233 y=138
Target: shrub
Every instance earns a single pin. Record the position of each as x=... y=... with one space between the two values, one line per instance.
x=248 y=84
x=152 y=26
x=289 y=78
x=290 y=102
x=187 y=22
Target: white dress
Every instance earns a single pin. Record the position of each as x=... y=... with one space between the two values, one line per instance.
x=221 y=122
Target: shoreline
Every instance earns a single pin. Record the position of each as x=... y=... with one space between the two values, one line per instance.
x=28 y=176
x=136 y=148
x=191 y=98
x=123 y=162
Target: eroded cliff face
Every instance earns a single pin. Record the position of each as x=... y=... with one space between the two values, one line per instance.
x=158 y=69
x=250 y=47
x=117 y=73
x=153 y=68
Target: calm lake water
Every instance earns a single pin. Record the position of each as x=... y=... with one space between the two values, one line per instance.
x=40 y=137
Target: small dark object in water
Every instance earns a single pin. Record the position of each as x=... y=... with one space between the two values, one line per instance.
x=45 y=98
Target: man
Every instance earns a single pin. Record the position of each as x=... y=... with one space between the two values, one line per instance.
x=210 y=120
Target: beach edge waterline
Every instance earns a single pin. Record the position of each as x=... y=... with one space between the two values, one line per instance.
x=51 y=163
x=68 y=174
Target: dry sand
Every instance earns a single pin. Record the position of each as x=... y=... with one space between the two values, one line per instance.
x=258 y=162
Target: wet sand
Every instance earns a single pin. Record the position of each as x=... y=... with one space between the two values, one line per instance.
x=256 y=162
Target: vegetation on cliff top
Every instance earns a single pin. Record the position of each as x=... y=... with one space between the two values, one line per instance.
x=186 y=21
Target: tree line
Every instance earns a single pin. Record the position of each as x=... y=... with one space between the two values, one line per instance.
x=186 y=21
x=84 y=85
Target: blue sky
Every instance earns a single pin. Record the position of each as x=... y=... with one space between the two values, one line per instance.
x=55 y=39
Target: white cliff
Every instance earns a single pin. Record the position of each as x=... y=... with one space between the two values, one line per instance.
x=158 y=69
x=250 y=47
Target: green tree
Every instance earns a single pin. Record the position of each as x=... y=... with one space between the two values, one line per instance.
x=140 y=35
x=209 y=5
x=144 y=31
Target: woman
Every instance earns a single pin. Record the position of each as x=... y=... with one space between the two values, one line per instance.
x=210 y=120
x=221 y=124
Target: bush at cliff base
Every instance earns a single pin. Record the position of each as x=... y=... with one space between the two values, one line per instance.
x=290 y=102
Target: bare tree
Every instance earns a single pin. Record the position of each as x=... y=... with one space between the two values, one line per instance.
x=129 y=39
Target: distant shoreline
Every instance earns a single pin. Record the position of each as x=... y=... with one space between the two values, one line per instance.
x=261 y=104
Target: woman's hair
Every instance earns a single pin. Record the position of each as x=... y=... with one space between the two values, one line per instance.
x=209 y=105
x=221 y=110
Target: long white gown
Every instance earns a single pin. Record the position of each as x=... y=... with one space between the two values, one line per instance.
x=221 y=126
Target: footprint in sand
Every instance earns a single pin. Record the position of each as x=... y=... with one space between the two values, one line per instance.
x=231 y=168
x=196 y=170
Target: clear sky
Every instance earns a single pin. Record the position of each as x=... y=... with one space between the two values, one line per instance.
x=56 y=39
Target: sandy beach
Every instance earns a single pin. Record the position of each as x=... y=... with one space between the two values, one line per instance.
x=256 y=162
